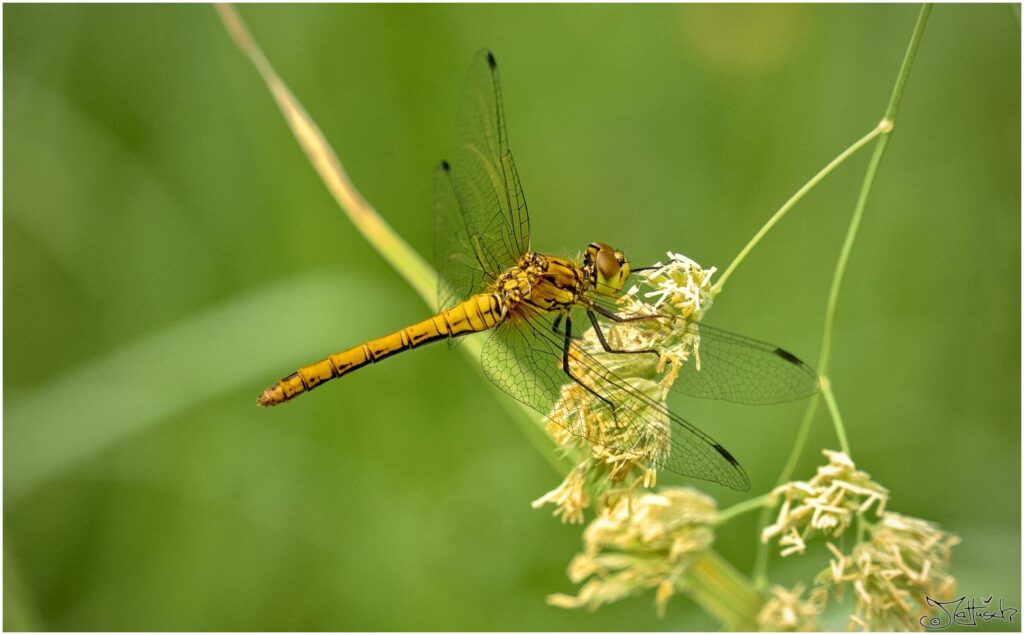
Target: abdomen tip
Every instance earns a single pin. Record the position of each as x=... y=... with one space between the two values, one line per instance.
x=267 y=398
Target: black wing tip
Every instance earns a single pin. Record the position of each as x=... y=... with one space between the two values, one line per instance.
x=493 y=63
x=725 y=453
x=807 y=370
x=789 y=357
x=741 y=483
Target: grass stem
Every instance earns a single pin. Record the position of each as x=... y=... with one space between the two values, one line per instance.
x=793 y=200
x=738 y=509
x=885 y=129
x=723 y=592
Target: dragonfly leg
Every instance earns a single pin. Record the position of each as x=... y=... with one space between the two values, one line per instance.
x=556 y=326
x=558 y=322
x=565 y=365
x=604 y=342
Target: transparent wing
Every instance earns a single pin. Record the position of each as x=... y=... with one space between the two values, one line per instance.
x=744 y=370
x=461 y=269
x=482 y=225
x=732 y=367
x=524 y=358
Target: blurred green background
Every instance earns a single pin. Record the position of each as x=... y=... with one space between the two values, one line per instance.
x=168 y=252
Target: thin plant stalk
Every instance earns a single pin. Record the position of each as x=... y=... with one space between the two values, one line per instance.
x=374 y=228
x=723 y=592
x=887 y=126
x=789 y=204
x=743 y=507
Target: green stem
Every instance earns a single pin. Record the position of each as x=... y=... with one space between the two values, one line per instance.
x=908 y=61
x=321 y=155
x=886 y=127
x=741 y=508
x=793 y=200
x=833 y=409
x=888 y=123
x=723 y=592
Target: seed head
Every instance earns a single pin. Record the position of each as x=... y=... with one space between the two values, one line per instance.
x=787 y=610
x=905 y=560
x=826 y=504
x=640 y=543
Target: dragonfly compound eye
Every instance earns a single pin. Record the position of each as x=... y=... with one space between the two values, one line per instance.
x=623 y=267
x=607 y=266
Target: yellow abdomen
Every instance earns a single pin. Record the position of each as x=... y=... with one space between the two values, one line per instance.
x=479 y=313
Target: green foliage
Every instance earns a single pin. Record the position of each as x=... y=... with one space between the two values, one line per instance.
x=168 y=252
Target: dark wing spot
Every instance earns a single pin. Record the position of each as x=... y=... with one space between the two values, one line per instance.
x=445 y=166
x=728 y=457
x=789 y=357
x=491 y=61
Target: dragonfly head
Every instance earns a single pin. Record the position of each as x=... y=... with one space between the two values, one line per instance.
x=607 y=268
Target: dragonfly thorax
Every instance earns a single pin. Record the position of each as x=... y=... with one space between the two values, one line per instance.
x=515 y=284
x=549 y=283
x=539 y=282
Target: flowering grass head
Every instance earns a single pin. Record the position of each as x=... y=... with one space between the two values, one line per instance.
x=894 y=563
x=824 y=505
x=641 y=543
x=676 y=294
x=906 y=560
x=789 y=611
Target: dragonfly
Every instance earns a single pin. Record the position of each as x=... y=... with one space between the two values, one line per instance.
x=533 y=304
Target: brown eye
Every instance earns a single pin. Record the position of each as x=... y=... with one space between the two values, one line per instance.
x=607 y=264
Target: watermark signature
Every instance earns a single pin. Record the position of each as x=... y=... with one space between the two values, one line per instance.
x=966 y=612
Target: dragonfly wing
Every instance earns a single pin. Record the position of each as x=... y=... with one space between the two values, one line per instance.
x=744 y=370
x=461 y=272
x=485 y=170
x=729 y=366
x=482 y=222
x=524 y=358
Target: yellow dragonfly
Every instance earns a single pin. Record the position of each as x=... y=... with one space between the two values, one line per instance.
x=491 y=280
